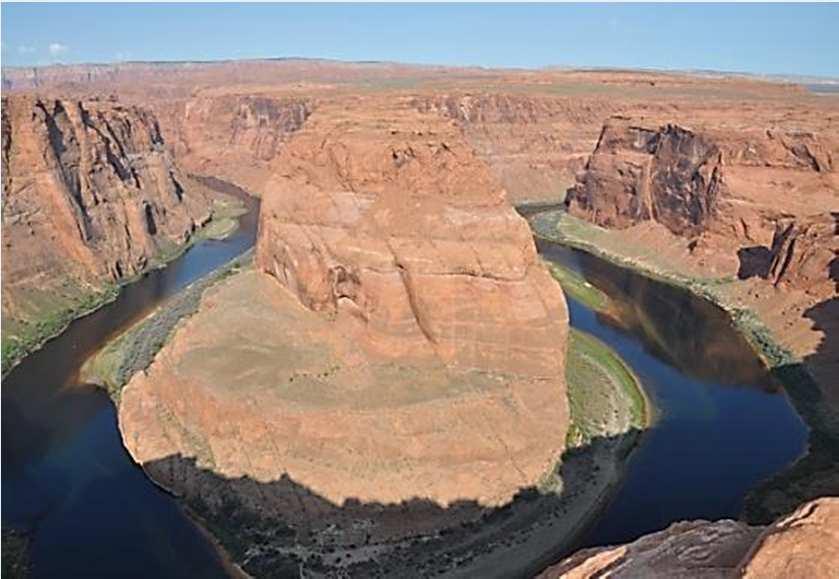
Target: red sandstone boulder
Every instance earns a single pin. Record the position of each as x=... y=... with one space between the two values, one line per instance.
x=804 y=545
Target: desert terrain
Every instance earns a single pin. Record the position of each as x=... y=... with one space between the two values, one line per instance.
x=389 y=376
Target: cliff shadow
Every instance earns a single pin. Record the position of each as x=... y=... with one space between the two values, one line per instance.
x=282 y=528
x=813 y=387
x=755 y=261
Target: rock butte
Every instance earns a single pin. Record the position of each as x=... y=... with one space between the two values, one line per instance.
x=799 y=545
x=404 y=345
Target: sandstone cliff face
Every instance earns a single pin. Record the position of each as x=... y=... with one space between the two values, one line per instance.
x=397 y=224
x=751 y=200
x=804 y=544
x=670 y=175
x=232 y=135
x=533 y=143
x=91 y=196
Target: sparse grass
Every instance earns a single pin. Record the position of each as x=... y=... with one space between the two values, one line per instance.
x=600 y=386
x=575 y=286
x=53 y=309
x=135 y=349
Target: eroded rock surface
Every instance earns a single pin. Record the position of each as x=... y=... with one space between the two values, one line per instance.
x=232 y=134
x=534 y=143
x=91 y=196
x=802 y=545
x=752 y=203
x=396 y=224
x=395 y=366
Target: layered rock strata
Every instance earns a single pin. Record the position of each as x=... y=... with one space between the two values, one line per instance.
x=803 y=544
x=231 y=134
x=720 y=190
x=395 y=366
x=533 y=143
x=396 y=225
x=91 y=196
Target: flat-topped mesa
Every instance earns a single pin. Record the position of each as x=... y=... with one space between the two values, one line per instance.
x=91 y=195
x=394 y=223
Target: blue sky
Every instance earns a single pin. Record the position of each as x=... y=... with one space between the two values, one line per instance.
x=775 y=38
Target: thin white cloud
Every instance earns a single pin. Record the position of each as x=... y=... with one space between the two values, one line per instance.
x=23 y=49
x=56 y=48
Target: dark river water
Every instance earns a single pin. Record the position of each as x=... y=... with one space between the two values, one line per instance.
x=66 y=479
x=722 y=422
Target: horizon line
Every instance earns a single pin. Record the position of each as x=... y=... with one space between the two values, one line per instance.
x=567 y=67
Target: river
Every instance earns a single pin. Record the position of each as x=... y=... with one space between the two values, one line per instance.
x=67 y=479
x=722 y=425
x=722 y=422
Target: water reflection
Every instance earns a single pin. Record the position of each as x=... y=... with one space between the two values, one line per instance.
x=687 y=332
x=66 y=477
x=723 y=425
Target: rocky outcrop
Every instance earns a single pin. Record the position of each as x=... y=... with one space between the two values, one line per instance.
x=393 y=369
x=670 y=175
x=90 y=197
x=804 y=544
x=801 y=248
x=534 y=144
x=233 y=135
x=752 y=202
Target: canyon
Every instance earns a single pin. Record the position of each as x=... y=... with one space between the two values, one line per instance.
x=391 y=368
x=92 y=197
x=397 y=305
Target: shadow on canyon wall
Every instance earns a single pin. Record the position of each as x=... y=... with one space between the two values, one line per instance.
x=262 y=524
x=755 y=261
x=813 y=386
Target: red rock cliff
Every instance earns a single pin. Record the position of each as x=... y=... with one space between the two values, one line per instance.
x=233 y=135
x=753 y=200
x=394 y=222
x=90 y=196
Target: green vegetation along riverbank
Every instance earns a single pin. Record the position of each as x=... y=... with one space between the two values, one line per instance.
x=814 y=474
x=601 y=389
x=575 y=286
x=134 y=350
x=53 y=311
